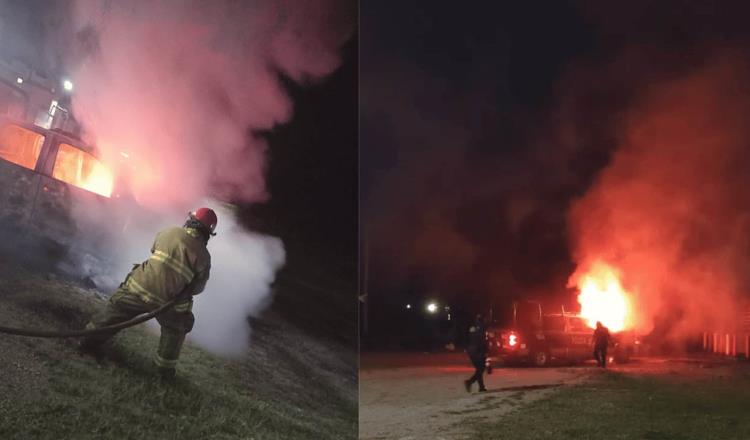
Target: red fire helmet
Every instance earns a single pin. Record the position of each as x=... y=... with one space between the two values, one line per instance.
x=207 y=217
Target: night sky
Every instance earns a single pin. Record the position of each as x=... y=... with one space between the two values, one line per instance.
x=312 y=170
x=480 y=125
x=312 y=180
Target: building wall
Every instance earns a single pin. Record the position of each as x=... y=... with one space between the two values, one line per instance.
x=37 y=89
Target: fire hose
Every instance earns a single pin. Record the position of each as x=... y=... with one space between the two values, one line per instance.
x=94 y=331
x=99 y=330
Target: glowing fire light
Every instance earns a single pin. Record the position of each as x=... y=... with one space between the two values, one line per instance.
x=603 y=298
x=83 y=170
x=99 y=181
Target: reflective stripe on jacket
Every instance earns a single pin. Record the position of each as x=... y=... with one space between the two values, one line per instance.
x=179 y=263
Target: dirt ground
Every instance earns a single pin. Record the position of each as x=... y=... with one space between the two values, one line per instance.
x=414 y=396
x=428 y=400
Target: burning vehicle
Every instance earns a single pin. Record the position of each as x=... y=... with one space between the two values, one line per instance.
x=538 y=338
x=44 y=175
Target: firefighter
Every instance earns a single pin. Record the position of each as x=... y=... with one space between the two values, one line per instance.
x=477 y=351
x=601 y=341
x=179 y=265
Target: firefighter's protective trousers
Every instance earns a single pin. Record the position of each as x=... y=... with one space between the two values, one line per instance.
x=175 y=323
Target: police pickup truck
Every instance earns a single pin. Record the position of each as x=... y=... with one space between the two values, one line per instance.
x=539 y=339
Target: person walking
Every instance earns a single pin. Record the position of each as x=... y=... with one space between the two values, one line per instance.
x=477 y=351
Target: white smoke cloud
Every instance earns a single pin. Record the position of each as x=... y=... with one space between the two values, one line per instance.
x=243 y=266
x=181 y=86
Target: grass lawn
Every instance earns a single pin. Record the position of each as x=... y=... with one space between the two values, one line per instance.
x=286 y=387
x=668 y=405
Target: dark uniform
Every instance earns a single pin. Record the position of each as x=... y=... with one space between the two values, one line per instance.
x=601 y=341
x=477 y=351
x=179 y=264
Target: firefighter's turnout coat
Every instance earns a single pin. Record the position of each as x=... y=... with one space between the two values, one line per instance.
x=179 y=264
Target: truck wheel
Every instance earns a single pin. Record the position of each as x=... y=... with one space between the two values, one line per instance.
x=540 y=358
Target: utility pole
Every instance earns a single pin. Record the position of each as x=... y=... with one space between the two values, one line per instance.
x=364 y=298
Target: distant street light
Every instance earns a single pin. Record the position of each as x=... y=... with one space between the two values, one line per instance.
x=19 y=80
x=408 y=306
x=432 y=307
x=68 y=85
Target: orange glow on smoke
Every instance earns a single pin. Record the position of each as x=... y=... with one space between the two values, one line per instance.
x=603 y=298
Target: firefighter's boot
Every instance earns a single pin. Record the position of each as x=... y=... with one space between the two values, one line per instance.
x=170 y=345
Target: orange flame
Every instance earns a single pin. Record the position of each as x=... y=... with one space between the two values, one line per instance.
x=603 y=298
x=83 y=170
x=100 y=180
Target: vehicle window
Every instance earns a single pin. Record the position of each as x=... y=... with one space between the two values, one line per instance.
x=578 y=325
x=83 y=170
x=554 y=323
x=20 y=145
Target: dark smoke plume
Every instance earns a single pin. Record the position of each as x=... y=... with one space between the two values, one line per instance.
x=670 y=210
